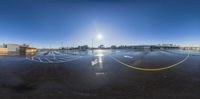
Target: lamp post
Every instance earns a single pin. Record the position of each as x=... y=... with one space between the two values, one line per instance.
x=92 y=45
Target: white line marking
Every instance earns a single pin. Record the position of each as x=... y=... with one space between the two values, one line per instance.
x=48 y=60
x=39 y=59
x=94 y=62
x=126 y=56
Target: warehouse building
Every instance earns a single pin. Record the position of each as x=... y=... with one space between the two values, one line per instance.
x=17 y=49
x=3 y=51
x=12 y=47
x=26 y=50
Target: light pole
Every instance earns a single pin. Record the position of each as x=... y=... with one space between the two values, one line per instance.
x=92 y=45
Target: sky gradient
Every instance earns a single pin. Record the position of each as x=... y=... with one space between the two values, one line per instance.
x=44 y=23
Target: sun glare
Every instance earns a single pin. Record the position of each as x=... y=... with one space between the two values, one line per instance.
x=99 y=36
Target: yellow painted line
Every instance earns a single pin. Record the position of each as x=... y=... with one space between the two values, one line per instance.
x=151 y=69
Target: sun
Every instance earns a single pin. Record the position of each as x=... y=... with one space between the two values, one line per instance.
x=99 y=36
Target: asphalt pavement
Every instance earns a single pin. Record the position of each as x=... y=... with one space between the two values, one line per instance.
x=103 y=74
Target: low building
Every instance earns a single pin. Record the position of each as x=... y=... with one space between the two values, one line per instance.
x=27 y=50
x=12 y=47
x=16 y=49
x=3 y=50
x=101 y=47
x=31 y=50
x=83 y=48
x=113 y=47
x=142 y=47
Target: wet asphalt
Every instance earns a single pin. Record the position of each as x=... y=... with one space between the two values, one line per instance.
x=98 y=76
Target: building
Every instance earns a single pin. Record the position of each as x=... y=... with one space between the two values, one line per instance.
x=3 y=51
x=142 y=47
x=113 y=47
x=83 y=48
x=101 y=47
x=16 y=49
x=12 y=47
x=27 y=50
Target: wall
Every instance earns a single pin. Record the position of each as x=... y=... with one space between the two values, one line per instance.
x=13 y=48
x=3 y=51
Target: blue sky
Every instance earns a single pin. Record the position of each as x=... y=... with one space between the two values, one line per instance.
x=44 y=23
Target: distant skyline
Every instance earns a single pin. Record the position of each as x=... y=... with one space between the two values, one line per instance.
x=56 y=23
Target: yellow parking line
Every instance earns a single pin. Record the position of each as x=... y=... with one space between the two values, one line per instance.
x=151 y=69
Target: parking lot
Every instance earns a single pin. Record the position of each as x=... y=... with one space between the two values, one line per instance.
x=110 y=74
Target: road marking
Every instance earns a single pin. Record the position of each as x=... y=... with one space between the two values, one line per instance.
x=48 y=60
x=94 y=62
x=51 y=62
x=126 y=56
x=39 y=59
x=152 y=69
x=100 y=73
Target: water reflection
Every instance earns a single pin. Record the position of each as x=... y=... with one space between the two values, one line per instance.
x=9 y=53
x=30 y=54
x=16 y=54
x=98 y=62
x=3 y=53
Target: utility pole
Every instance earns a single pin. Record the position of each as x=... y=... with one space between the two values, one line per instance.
x=62 y=44
x=92 y=45
x=49 y=47
x=73 y=49
x=67 y=47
